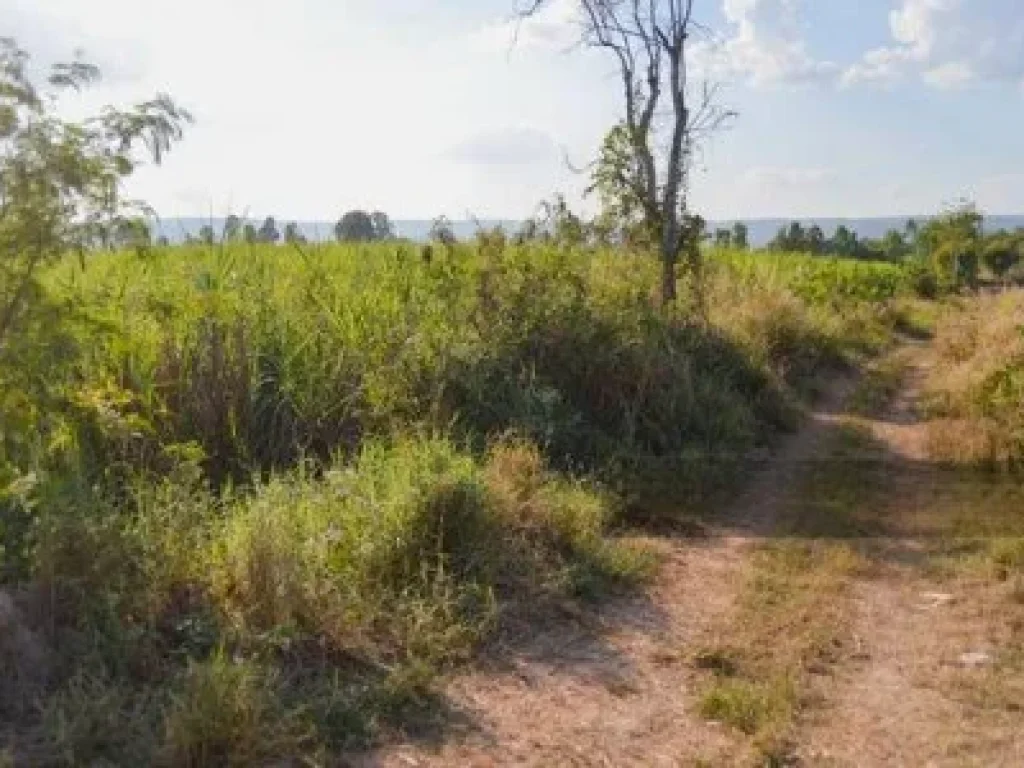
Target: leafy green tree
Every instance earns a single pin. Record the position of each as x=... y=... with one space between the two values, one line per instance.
x=723 y=238
x=740 y=236
x=790 y=238
x=232 y=229
x=355 y=227
x=132 y=233
x=1000 y=254
x=814 y=241
x=383 y=229
x=845 y=242
x=893 y=246
x=951 y=244
x=442 y=231
x=614 y=180
x=267 y=232
x=780 y=241
x=249 y=234
x=796 y=237
x=60 y=180
x=292 y=234
x=206 y=234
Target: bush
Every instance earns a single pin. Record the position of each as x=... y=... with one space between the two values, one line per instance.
x=264 y=361
x=209 y=616
x=230 y=713
x=413 y=526
x=262 y=499
x=977 y=389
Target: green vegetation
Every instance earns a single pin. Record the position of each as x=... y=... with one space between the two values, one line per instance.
x=312 y=480
x=822 y=280
x=975 y=386
x=940 y=255
x=793 y=623
x=973 y=396
x=794 y=619
x=255 y=496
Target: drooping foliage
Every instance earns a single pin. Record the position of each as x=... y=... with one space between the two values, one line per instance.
x=60 y=181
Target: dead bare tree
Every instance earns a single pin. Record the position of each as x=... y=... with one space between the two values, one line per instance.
x=650 y=41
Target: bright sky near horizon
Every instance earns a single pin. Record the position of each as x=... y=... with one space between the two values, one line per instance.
x=307 y=108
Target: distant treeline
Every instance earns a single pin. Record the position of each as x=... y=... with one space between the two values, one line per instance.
x=957 y=238
x=895 y=245
x=952 y=247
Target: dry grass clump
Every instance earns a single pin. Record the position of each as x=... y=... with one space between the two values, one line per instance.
x=297 y=615
x=794 y=619
x=976 y=385
x=259 y=498
x=793 y=622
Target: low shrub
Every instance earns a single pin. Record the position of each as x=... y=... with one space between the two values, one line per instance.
x=265 y=359
x=208 y=614
x=976 y=388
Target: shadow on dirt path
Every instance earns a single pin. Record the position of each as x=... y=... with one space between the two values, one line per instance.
x=618 y=685
x=938 y=675
x=615 y=685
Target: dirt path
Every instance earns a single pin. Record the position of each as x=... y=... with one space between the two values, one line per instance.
x=923 y=684
x=924 y=688
x=618 y=687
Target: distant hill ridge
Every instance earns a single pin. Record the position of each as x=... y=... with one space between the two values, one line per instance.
x=761 y=231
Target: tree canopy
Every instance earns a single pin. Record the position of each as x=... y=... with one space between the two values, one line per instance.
x=643 y=169
x=60 y=180
x=267 y=233
x=361 y=227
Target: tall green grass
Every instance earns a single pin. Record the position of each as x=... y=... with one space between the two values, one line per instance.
x=253 y=497
x=297 y=615
x=820 y=279
x=264 y=356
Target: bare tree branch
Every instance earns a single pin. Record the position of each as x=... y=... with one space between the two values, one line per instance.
x=650 y=40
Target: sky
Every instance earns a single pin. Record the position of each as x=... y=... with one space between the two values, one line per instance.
x=307 y=108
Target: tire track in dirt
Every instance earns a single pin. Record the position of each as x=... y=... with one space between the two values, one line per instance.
x=616 y=686
x=893 y=704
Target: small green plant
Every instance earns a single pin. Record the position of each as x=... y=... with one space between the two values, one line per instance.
x=229 y=713
x=755 y=708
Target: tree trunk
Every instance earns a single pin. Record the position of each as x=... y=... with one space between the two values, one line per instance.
x=668 y=279
x=9 y=313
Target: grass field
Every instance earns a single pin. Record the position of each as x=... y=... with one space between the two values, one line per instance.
x=254 y=498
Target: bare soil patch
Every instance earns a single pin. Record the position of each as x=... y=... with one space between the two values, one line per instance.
x=840 y=613
x=619 y=685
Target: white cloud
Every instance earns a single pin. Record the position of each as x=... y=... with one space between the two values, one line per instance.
x=948 y=44
x=766 y=45
x=49 y=36
x=952 y=74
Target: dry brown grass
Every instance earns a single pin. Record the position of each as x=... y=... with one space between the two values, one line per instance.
x=793 y=623
x=794 y=618
x=978 y=440
x=979 y=351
